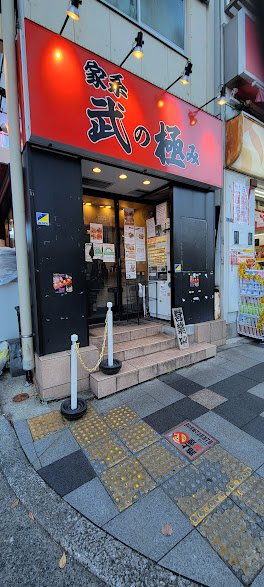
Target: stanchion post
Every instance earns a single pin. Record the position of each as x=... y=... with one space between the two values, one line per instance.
x=74 y=338
x=110 y=334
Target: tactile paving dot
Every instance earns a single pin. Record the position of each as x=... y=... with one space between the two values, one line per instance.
x=41 y=426
x=89 y=430
x=159 y=462
x=106 y=453
x=193 y=494
x=250 y=497
x=236 y=539
x=138 y=436
x=120 y=417
x=126 y=482
x=225 y=470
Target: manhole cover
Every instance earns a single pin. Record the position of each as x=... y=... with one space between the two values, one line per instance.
x=190 y=439
x=20 y=397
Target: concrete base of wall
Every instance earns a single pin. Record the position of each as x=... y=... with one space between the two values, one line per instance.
x=231 y=330
x=213 y=331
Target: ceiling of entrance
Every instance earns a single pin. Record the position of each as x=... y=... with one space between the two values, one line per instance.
x=108 y=180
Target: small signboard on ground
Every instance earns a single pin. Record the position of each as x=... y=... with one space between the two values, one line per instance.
x=180 y=328
x=190 y=440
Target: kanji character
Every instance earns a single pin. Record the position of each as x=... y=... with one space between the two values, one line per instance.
x=107 y=122
x=168 y=144
x=94 y=74
x=116 y=86
x=192 y=156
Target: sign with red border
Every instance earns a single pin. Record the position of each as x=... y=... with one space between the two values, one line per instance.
x=191 y=440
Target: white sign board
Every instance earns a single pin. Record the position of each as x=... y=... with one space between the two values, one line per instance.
x=180 y=328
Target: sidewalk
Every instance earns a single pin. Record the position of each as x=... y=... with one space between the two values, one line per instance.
x=125 y=481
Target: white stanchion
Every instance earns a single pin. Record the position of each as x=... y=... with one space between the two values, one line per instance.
x=110 y=334
x=74 y=338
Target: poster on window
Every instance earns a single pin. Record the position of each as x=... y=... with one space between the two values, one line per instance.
x=96 y=233
x=130 y=252
x=129 y=234
x=108 y=253
x=150 y=224
x=259 y=218
x=129 y=216
x=130 y=269
x=240 y=203
x=98 y=252
x=161 y=212
x=87 y=249
x=140 y=243
x=62 y=282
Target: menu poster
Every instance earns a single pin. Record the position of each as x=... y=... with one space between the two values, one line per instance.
x=140 y=252
x=140 y=234
x=240 y=203
x=150 y=223
x=87 y=248
x=96 y=233
x=98 y=252
x=161 y=212
x=129 y=216
x=108 y=253
x=130 y=252
x=130 y=269
x=129 y=233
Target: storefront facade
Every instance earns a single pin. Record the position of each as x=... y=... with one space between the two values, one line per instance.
x=139 y=232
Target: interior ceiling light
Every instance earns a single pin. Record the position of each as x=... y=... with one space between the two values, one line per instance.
x=108 y=206
x=102 y=206
x=184 y=77
x=97 y=170
x=88 y=204
x=221 y=101
x=123 y=176
x=72 y=12
x=137 y=50
x=146 y=182
x=4 y=127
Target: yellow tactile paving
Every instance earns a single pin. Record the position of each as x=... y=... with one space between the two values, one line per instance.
x=224 y=469
x=120 y=417
x=106 y=452
x=126 y=482
x=138 y=436
x=159 y=462
x=90 y=429
x=43 y=425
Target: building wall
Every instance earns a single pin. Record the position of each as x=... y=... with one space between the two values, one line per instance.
x=108 y=34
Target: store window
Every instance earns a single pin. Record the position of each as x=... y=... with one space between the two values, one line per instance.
x=166 y=18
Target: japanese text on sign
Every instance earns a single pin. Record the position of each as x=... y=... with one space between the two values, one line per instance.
x=180 y=328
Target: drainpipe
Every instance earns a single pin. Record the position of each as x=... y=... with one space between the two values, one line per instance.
x=16 y=173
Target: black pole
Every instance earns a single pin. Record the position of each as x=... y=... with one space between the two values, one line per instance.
x=64 y=24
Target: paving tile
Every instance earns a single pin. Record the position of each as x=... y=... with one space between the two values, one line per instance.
x=250 y=498
x=144 y=405
x=193 y=493
x=174 y=414
x=106 y=452
x=68 y=473
x=260 y=471
x=120 y=417
x=207 y=398
x=62 y=446
x=162 y=392
x=234 y=367
x=89 y=430
x=44 y=443
x=241 y=409
x=195 y=559
x=42 y=425
x=31 y=454
x=259 y=581
x=237 y=442
x=23 y=432
x=233 y=386
x=93 y=502
x=236 y=539
x=257 y=390
x=137 y=436
x=140 y=525
x=255 y=428
x=256 y=373
x=237 y=357
x=225 y=470
x=161 y=461
x=126 y=482
x=206 y=375
x=180 y=383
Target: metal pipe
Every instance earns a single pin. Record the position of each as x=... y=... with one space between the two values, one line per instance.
x=8 y=26
x=74 y=338
x=110 y=334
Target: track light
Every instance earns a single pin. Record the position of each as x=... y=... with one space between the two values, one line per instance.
x=221 y=101
x=72 y=12
x=184 y=77
x=222 y=98
x=137 y=50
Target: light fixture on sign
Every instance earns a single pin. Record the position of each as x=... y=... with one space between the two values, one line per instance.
x=72 y=12
x=137 y=50
x=184 y=77
x=222 y=98
x=97 y=170
x=4 y=128
x=122 y=176
x=221 y=101
x=146 y=182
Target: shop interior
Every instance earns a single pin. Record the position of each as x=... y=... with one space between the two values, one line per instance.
x=259 y=223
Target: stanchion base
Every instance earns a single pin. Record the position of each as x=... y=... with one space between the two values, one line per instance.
x=70 y=414
x=110 y=370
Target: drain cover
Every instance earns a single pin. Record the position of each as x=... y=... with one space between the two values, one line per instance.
x=190 y=440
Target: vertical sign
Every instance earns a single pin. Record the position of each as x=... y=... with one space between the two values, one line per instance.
x=180 y=328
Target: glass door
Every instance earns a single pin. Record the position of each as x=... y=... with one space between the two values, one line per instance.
x=100 y=256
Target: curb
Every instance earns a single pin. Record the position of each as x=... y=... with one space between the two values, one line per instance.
x=104 y=556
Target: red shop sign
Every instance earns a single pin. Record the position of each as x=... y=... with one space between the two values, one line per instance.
x=81 y=100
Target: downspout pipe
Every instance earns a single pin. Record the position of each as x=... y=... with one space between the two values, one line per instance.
x=16 y=173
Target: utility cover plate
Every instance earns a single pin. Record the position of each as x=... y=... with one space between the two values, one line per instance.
x=191 y=440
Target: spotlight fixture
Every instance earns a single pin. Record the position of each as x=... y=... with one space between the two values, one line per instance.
x=137 y=49
x=97 y=170
x=2 y=92
x=184 y=77
x=221 y=101
x=4 y=128
x=72 y=12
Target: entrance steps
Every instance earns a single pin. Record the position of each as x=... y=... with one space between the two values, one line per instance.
x=146 y=352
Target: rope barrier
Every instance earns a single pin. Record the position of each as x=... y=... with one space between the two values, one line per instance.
x=77 y=345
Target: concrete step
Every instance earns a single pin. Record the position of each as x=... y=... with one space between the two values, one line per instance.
x=144 y=368
x=125 y=333
x=124 y=351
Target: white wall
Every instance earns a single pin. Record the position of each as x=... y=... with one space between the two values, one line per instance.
x=106 y=33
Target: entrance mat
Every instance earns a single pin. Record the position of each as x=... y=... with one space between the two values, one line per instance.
x=237 y=539
x=224 y=469
x=191 y=440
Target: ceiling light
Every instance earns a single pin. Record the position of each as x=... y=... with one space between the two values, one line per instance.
x=97 y=170
x=88 y=204
x=101 y=206
x=146 y=182
x=108 y=206
x=137 y=49
x=122 y=176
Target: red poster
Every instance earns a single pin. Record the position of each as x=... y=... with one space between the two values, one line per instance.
x=80 y=100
